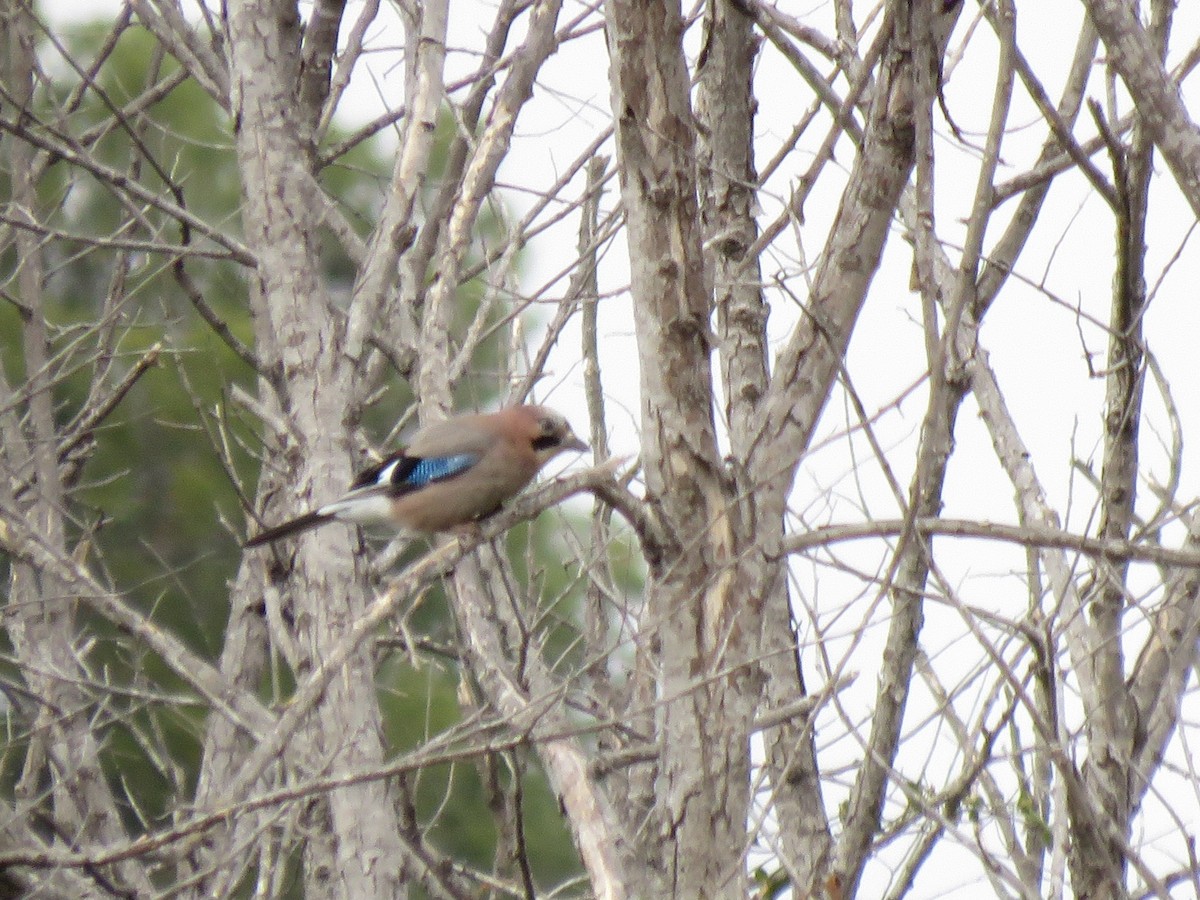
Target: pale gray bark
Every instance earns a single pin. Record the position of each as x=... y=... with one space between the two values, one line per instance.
x=696 y=608
x=299 y=347
x=41 y=603
x=1110 y=782
x=1137 y=58
x=725 y=110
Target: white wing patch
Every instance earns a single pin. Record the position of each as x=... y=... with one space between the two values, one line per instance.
x=385 y=474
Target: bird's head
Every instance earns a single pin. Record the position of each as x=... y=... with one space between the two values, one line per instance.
x=550 y=434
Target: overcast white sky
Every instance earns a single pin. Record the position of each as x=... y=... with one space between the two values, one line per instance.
x=1037 y=348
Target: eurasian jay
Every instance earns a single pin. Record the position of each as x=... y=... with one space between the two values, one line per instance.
x=453 y=472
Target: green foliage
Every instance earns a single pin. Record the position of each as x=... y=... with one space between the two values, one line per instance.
x=453 y=800
x=768 y=885
x=1036 y=826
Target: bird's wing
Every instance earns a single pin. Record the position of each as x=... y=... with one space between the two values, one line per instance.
x=439 y=452
x=370 y=498
x=402 y=473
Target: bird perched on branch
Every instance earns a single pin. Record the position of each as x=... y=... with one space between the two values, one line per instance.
x=453 y=472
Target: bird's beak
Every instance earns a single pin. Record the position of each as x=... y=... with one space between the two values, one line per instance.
x=574 y=443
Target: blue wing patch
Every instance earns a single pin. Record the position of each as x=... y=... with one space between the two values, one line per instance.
x=437 y=468
x=401 y=474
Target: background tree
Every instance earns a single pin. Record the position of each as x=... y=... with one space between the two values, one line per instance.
x=218 y=304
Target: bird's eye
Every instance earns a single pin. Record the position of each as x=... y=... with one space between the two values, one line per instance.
x=548 y=426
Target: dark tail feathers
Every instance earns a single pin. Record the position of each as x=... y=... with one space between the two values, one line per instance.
x=301 y=523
